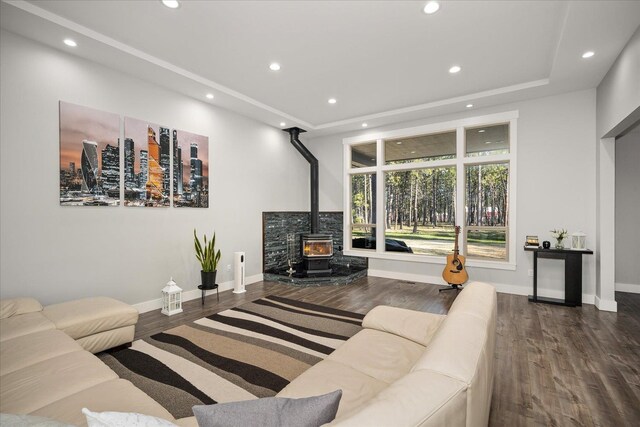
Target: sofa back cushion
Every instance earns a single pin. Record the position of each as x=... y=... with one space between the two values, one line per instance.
x=16 y=306
x=464 y=347
x=416 y=326
x=421 y=398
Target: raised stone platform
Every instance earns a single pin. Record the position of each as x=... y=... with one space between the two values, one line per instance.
x=341 y=275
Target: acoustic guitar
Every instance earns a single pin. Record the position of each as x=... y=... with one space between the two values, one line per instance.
x=454 y=272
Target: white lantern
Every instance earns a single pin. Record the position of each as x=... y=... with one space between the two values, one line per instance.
x=171 y=299
x=579 y=241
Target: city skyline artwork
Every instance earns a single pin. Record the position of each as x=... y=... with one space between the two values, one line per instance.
x=190 y=169
x=147 y=167
x=158 y=162
x=89 y=156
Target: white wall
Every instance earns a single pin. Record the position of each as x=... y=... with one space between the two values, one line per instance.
x=618 y=94
x=57 y=253
x=627 y=212
x=556 y=188
x=617 y=109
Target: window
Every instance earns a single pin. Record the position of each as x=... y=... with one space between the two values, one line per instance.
x=420 y=210
x=363 y=155
x=420 y=148
x=409 y=188
x=486 y=209
x=363 y=197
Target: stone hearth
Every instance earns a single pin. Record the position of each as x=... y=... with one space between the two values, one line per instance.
x=276 y=226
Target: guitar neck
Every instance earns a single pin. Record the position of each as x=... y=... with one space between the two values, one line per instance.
x=456 y=251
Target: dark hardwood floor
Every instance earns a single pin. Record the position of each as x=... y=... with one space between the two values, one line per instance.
x=556 y=366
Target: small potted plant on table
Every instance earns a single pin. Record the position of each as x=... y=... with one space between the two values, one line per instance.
x=559 y=234
x=208 y=257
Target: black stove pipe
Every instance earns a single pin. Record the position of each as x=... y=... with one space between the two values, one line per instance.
x=313 y=162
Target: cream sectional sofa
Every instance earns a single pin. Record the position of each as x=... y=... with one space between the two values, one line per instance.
x=46 y=363
x=409 y=368
x=405 y=368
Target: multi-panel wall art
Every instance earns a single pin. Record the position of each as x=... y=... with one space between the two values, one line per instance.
x=89 y=156
x=190 y=170
x=156 y=160
x=147 y=167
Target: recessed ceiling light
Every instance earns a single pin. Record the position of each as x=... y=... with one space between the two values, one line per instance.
x=481 y=131
x=332 y=101
x=413 y=152
x=431 y=7
x=171 y=4
x=209 y=96
x=469 y=105
x=274 y=66
x=399 y=142
x=364 y=125
x=282 y=124
x=588 y=54
x=70 y=43
x=455 y=69
x=487 y=142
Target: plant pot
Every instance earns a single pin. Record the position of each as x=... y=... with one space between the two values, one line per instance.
x=208 y=278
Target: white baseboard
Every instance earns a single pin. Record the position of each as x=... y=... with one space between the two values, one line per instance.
x=156 y=304
x=628 y=287
x=500 y=287
x=606 y=305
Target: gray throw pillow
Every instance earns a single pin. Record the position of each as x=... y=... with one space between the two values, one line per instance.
x=271 y=412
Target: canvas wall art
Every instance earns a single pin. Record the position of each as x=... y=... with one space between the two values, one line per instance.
x=190 y=170
x=89 y=156
x=147 y=167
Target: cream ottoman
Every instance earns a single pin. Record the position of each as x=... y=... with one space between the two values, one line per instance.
x=97 y=324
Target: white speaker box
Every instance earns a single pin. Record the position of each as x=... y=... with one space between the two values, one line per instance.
x=239 y=263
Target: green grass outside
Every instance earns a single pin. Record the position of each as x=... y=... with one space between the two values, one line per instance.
x=436 y=241
x=446 y=234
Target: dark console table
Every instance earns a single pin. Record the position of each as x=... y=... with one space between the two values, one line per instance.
x=572 y=274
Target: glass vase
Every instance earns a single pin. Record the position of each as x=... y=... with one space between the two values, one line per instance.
x=559 y=244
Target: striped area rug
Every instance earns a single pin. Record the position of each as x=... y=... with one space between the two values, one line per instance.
x=247 y=352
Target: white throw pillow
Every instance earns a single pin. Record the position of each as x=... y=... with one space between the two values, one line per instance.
x=13 y=420
x=123 y=419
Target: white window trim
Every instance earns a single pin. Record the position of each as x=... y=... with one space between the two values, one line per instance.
x=460 y=161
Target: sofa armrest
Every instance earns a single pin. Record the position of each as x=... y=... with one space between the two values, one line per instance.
x=16 y=306
x=416 y=326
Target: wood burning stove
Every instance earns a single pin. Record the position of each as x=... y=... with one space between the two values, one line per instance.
x=316 y=251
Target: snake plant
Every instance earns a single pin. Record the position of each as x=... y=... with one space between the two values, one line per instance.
x=206 y=253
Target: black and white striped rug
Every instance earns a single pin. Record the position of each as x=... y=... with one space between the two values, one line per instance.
x=247 y=352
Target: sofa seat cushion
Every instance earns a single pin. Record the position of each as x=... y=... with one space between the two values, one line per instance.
x=114 y=395
x=23 y=324
x=40 y=384
x=30 y=349
x=187 y=422
x=328 y=376
x=108 y=339
x=89 y=316
x=383 y=356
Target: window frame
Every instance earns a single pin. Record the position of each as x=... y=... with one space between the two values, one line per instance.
x=460 y=162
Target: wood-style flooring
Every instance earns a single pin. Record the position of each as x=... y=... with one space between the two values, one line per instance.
x=556 y=366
